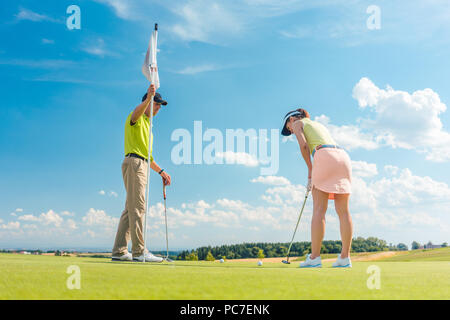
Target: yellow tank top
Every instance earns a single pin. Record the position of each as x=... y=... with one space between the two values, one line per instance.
x=316 y=134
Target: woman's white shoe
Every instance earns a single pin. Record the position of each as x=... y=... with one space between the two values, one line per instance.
x=342 y=263
x=311 y=263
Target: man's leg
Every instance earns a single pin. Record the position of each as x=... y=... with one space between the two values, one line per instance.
x=123 y=231
x=136 y=204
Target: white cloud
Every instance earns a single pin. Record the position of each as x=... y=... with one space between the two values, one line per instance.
x=40 y=64
x=391 y=170
x=397 y=119
x=404 y=120
x=71 y=224
x=28 y=217
x=121 y=8
x=110 y=193
x=190 y=70
x=200 y=20
x=90 y=233
x=271 y=180
x=26 y=14
x=290 y=138
x=99 y=218
x=349 y=136
x=280 y=195
x=232 y=204
x=390 y=204
x=345 y=21
x=13 y=225
x=19 y=210
x=113 y=194
x=47 y=41
x=405 y=189
x=97 y=48
x=364 y=169
x=51 y=217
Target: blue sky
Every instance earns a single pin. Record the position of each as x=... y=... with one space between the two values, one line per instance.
x=231 y=64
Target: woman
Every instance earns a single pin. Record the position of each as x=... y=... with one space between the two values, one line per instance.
x=329 y=177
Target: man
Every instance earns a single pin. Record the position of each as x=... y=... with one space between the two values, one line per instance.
x=134 y=172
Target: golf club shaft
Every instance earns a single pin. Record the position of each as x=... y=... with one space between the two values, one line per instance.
x=298 y=221
x=165 y=215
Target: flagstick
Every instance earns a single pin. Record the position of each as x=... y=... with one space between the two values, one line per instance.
x=147 y=202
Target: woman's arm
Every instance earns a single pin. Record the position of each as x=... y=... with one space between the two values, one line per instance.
x=297 y=128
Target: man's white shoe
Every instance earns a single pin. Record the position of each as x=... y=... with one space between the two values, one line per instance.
x=311 y=263
x=149 y=257
x=125 y=257
x=342 y=262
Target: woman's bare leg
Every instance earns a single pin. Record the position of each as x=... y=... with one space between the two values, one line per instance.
x=320 y=206
x=345 y=220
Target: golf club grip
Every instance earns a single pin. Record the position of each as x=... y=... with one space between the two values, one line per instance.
x=156 y=26
x=164 y=191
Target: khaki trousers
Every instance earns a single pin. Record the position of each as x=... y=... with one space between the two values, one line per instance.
x=131 y=224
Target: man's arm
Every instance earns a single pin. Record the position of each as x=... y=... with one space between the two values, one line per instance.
x=140 y=109
x=164 y=175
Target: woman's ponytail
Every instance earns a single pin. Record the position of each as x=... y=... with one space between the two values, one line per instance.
x=303 y=113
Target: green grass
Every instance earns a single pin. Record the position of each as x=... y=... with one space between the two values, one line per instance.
x=442 y=254
x=44 y=277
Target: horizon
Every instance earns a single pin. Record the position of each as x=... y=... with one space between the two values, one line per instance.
x=178 y=250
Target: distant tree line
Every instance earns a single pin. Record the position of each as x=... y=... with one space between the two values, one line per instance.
x=269 y=250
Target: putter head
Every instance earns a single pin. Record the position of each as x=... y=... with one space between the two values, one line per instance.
x=285 y=262
x=168 y=259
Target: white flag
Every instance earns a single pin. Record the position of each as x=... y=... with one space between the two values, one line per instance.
x=150 y=68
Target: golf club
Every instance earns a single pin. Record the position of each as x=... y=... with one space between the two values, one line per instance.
x=167 y=235
x=298 y=221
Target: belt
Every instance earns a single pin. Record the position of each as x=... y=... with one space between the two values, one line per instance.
x=134 y=155
x=324 y=146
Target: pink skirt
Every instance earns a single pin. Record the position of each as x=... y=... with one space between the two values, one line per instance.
x=332 y=171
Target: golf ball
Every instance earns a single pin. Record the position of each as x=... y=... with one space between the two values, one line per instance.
x=222 y=261
x=260 y=263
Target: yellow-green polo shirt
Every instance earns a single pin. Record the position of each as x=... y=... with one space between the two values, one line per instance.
x=136 y=137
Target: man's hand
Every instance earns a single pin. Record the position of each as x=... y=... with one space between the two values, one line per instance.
x=151 y=91
x=166 y=178
x=140 y=109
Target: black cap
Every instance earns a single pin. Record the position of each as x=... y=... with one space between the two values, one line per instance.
x=157 y=98
x=285 y=131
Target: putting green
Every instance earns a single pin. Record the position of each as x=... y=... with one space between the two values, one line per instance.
x=45 y=277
